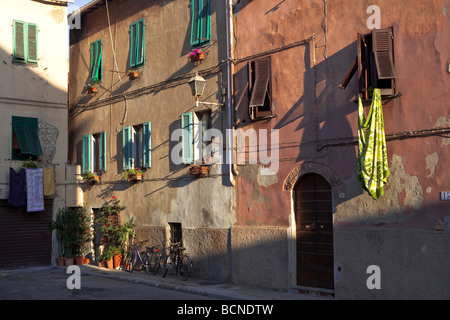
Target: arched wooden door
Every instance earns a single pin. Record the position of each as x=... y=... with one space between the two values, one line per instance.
x=313 y=217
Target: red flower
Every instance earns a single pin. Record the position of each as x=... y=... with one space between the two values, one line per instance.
x=114 y=197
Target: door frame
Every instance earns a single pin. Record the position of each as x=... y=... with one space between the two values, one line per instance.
x=289 y=183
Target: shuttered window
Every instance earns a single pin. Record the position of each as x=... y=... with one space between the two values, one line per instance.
x=25 y=138
x=382 y=50
x=259 y=88
x=137 y=146
x=137 y=43
x=25 y=42
x=96 y=61
x=94 y=152
x=187 y=138
x=374 y=63
x=200 y=21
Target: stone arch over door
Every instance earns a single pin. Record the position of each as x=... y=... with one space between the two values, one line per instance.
x=311 y=167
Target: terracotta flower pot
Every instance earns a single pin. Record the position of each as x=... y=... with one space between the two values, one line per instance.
x=60 y=261
x=110 y=264
x=69 y=261
x=79 y=260
x=197 y=57
x=117 y=260
x=133 y=75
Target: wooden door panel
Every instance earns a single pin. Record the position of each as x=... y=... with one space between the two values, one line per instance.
x=313 y=214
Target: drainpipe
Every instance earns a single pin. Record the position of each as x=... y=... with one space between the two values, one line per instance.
x=230 y=155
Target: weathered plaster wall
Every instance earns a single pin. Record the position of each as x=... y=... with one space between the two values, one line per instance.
x=169 y=193
x=317 y=124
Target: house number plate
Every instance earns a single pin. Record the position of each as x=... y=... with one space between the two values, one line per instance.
x=445 y=195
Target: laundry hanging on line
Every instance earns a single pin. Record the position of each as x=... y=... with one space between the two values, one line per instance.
x=373 y=168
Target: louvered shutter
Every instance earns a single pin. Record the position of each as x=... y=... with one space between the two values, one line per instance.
x=26 y=131
x=147 y=144
x=96 y=61
x=127 y=148
x=32 y=42
x=133 y=36
x=86 y=153
x=205 y=21
x=187 y=139
x=194 y=22
x=382 y=50
x=140 y=43
x=102 y=151
x=19 y=40
x=261 y=82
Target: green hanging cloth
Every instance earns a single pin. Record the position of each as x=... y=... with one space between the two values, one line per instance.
x=373 y=168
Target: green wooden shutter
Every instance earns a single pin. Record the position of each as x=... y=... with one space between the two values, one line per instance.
x=127 y=148
x=187 y=138
x=194 y=22
x=19 y=45
x=103 y=151
x=137 y=43
x=201 y=21
x=147 y=145
x=86 y=153
x=205 y=21
x=26 y=131
x=96 y=61
x=32 y=42
x=133 y=36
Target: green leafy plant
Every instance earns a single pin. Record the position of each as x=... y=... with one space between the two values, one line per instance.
x=126 y=174
x=88 y=175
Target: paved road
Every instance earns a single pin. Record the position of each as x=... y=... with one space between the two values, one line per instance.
x=51 y=284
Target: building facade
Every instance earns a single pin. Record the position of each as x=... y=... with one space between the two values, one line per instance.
x=128 y=124
x=34 y=126
x=299 y=71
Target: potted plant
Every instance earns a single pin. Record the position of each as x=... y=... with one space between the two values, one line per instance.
x=91 y=177
x=133 y=74
x=59 y=225
x=198 y=170
x=196 y=55
x=107 y=257
x=91 y=88
x=133 y=174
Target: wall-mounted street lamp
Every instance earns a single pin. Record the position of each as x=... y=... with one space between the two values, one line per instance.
x=197 y=84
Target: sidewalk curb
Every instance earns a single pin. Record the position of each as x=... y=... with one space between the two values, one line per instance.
x=223 y=291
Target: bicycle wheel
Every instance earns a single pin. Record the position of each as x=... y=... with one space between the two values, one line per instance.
x=152 y=262
x=184 y=267
x=133 y=261
x=166 y=265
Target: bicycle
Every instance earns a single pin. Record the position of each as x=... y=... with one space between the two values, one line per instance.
x=150 y=259
x=179 y=261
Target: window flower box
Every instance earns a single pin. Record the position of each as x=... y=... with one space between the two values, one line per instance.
x=196 y=55
x=133 y=174
x=91 y=177
x=199 y=170
x=90 y=88
x=133 y=74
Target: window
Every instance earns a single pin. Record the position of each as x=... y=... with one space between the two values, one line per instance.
x=25 y=36
x=25 y=139
x=176 y=232
x=137 y=147
x=94 y=152
x=201 y=21
x=260 y=104
x=374 y=63
x=96 y=61
x=137 y=42
x=196 y=137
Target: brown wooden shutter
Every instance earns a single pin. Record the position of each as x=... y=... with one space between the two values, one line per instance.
x=259 y=90
x=382 y=50
x=349 y=74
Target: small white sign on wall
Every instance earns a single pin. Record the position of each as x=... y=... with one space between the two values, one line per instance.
x=445 y=195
